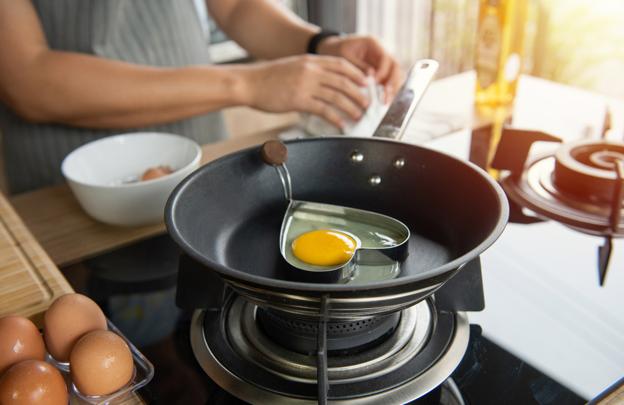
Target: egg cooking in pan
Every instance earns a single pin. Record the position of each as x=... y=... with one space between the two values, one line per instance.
x=324 y=247
x=325 y=243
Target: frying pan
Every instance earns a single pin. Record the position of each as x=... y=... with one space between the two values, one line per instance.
x=227 y=215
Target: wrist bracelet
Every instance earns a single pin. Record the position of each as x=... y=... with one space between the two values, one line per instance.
x=316 y=39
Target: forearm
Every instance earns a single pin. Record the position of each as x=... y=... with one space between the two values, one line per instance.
x=83 y=90
x=137 y=119
x=266 y=29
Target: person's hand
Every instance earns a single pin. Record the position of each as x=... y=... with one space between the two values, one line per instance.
x=369 y=55
x=326 y=86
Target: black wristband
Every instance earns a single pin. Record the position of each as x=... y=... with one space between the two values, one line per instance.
x=316 y=39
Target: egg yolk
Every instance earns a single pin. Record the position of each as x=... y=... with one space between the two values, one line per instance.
x=324 y=247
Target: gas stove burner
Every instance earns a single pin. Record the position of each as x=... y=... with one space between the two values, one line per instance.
x=576 y=186
x=537 y=190
x=417 y=355
x=581 y=185
x=586 y=170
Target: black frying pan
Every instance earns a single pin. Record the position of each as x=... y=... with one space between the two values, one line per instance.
x=227 y=215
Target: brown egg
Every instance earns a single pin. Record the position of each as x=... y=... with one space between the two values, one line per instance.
x=32 y=382
x=156 y=172
x=19 y=340
x=68 y=318
x=101 y=363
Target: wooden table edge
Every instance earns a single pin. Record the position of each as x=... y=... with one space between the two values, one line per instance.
x=66 y=250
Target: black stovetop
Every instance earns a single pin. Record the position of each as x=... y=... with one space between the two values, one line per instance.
x=487 y=374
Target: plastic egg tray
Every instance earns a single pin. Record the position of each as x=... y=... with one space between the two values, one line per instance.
x=143 y=374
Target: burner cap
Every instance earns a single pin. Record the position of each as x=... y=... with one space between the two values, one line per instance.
x=585 y=169
x=606 y=159
x=553 y=188
x=299 y=334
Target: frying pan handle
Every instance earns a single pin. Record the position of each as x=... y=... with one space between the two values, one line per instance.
x=394 y=123
x=274 y=153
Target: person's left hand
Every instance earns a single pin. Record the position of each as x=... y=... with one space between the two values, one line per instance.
x=369 y=55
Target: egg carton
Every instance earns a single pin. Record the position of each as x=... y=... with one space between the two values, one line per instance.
x=142 y=374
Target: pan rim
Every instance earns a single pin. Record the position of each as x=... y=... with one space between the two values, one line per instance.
x=231 y=273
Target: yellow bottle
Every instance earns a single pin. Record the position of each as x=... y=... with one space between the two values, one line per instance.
x=498 y=59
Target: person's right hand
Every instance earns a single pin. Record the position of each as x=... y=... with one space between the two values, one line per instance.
x=326 y=86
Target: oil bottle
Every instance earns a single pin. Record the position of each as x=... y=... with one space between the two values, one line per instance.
x=499 y=49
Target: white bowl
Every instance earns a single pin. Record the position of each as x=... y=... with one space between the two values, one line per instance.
x=96 y=173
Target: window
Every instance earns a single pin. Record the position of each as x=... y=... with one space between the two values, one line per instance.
x=576 y=42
